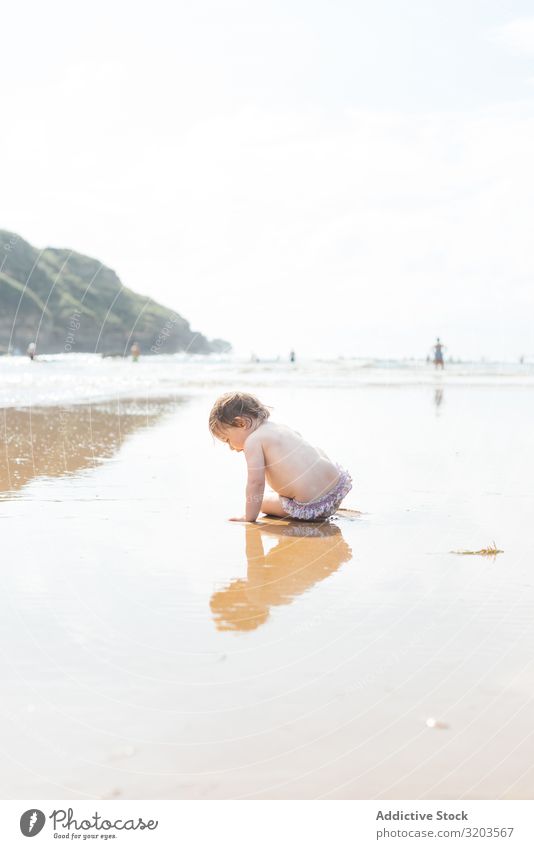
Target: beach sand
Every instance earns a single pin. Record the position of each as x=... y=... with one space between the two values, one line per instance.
x=152 y=649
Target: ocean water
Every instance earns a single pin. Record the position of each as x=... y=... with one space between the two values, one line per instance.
x=78 y=378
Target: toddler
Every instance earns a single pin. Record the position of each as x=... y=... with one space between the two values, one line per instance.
x=306 y=484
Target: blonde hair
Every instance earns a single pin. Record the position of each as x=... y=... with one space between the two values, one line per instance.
x=235 y=405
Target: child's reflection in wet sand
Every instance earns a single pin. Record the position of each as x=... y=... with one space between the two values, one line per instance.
x=305 y=554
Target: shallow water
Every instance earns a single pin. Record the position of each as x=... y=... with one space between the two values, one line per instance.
x=151 y=649
x=76 y=378
x=53 y=441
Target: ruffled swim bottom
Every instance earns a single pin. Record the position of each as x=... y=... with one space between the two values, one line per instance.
x=323 y=507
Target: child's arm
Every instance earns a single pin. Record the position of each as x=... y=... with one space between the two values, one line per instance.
x=255 y=480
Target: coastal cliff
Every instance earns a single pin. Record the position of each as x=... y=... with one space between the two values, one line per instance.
x=65 y=302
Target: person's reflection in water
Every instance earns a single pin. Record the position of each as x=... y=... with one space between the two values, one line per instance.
x=305 y=554
x=438 y=399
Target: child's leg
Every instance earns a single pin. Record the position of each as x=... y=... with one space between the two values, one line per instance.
x=272 y=506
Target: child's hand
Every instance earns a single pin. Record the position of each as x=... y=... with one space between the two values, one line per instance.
x=238 y=519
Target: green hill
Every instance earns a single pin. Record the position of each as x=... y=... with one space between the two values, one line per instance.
x=65 y=301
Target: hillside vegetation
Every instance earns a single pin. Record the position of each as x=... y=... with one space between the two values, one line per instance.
x=65 y=302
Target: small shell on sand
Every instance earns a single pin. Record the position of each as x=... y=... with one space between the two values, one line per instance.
x=435 y=723
x=121 y=752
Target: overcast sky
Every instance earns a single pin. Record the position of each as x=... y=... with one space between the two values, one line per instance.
x=341 y=177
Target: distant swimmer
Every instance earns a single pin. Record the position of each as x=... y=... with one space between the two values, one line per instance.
x=292 y=356
x=30 y=350
x=438 y=353
x=135 y=351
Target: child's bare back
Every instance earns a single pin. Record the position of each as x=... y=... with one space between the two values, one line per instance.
x=293 y=467
x=307 y=484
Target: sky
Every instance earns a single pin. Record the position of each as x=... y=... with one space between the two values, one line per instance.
x=342 y=178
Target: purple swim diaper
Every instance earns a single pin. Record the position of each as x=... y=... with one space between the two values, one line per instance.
x=323 y=507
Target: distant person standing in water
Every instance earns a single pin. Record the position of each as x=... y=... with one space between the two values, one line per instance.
x=135 y=351
x=31 y=350
x=292 y=356
x=438 y=353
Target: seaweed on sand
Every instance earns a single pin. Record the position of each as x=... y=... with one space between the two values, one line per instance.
x=490 y=551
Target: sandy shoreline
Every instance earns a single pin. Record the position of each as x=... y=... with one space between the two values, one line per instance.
x=154 y=650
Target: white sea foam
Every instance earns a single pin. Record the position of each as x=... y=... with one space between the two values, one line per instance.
x=76 y=378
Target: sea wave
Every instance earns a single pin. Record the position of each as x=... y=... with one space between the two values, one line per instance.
x=79 y=378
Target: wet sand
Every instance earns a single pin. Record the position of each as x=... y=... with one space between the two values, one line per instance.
x=151 y=649
x=64 y=439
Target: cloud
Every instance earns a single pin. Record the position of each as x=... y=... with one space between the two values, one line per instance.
x=516 y=36
x=364 y=232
